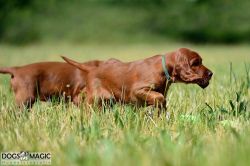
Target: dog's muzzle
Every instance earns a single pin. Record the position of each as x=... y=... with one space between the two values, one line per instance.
x=204 y=82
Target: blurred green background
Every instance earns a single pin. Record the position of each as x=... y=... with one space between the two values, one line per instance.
x=206 y=127
x=197 y=21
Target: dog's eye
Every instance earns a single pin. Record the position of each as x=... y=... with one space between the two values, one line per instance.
x=195 y=63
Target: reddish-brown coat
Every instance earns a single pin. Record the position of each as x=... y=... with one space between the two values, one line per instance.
x=46 y=79
x=143 y=81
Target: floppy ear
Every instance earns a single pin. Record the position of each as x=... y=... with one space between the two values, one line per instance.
x=183 y=69
x=76 y=64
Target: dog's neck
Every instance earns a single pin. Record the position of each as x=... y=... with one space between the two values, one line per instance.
x=170 y=61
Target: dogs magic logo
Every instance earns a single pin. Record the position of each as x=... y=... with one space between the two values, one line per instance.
x=25 y=158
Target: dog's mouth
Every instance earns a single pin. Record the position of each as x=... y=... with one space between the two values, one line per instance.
x=203 y=83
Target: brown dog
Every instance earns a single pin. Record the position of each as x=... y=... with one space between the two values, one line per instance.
x=46 y=79
x=143 y=81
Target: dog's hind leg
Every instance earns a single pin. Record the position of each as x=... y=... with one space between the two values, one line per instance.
x=24 y=99
x=24 y=93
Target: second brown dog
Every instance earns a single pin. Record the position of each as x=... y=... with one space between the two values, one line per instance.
x=46 y=79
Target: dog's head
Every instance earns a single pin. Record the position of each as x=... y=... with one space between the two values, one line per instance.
x=188 y=68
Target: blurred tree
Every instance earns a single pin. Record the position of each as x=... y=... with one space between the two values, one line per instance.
x=24 y=21
x=15 y=21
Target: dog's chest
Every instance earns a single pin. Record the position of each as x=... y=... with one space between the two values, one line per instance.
x=158 y=83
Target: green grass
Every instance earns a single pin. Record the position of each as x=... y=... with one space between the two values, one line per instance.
x=206 y=127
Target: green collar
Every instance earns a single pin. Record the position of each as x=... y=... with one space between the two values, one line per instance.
x=163 y=62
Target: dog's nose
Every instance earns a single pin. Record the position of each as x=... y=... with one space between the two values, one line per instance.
x=209 y=73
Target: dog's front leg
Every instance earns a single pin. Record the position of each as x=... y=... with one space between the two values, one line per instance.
x=151 y=98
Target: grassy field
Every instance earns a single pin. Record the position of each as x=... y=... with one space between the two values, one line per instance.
x=206 y=127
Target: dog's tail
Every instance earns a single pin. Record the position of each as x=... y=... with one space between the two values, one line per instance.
x=77 y=64
x=7 y=70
